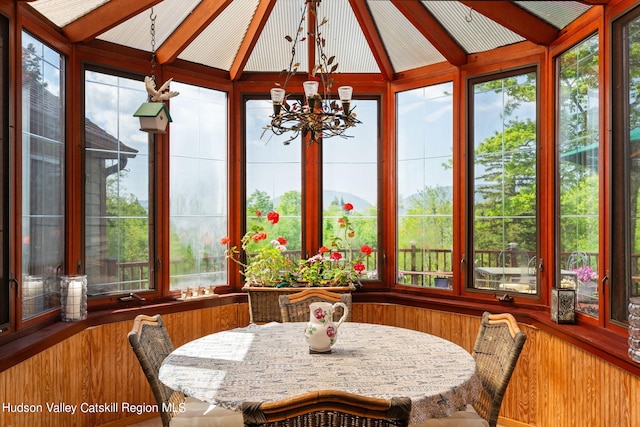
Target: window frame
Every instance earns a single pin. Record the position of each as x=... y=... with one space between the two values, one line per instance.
x=312 y=181
x=469 y=267
x=154 y=262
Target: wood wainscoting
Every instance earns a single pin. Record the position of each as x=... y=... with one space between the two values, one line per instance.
x=555 y=383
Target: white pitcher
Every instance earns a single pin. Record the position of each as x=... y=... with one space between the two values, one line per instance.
x=321 y=332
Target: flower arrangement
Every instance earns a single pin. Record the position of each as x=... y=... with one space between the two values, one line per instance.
x=586 y=274
x=335 y=264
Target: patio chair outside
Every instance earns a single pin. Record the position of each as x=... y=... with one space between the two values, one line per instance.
x=151 y=344
x=328 y=408
x=295 y=307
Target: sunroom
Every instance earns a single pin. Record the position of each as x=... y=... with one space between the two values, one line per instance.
x=485 y=159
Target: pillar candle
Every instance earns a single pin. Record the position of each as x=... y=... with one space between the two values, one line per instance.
x=73 y=305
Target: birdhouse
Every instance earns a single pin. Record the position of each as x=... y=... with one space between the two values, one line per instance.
x=154 y=117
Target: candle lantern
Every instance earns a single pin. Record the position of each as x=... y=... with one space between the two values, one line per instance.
x=32 y=296
x=73 y=297
x=634 y=329
x=563 y=305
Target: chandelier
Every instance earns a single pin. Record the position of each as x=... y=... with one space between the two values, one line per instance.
x=317 y=116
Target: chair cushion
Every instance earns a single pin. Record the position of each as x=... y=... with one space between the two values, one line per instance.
x=468 y=418
x=198 y=413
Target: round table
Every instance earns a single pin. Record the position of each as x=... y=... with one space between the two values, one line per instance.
x=272 y=362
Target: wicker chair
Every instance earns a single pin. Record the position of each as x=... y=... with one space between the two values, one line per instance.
x=151 y=344
x=328 y=408
x=295 y=307
x=496 y=353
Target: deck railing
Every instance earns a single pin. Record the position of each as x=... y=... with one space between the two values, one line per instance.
x=417 y=266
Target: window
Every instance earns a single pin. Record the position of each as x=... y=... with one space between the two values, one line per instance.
x=273 y=177
x=578 y=180
x=349 y=171
x=350 y=175
x=503 y=197
x=43 y=152
x=625 y=179
x=118 y=202
x=425 y=185
x=198 y=187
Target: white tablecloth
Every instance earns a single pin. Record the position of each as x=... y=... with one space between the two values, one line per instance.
x=271 y=362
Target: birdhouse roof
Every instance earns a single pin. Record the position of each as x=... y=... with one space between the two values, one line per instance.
x=152 y=109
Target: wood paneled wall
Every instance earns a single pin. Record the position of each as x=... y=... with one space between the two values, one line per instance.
x=555 y=384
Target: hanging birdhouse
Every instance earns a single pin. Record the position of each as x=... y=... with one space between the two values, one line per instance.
x=154 y=117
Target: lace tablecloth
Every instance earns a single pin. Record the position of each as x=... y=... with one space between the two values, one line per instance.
x=272 y=361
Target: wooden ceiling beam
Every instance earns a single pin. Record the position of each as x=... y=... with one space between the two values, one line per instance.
x=371 y=34
x=104 y=17
x=433 y=31
x=190 y=28
x=517 y=19
x=251 y=37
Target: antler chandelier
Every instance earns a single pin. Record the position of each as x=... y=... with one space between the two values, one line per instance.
x=318 y=116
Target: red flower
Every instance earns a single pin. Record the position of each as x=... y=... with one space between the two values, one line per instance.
x=366 y=249
x=259 y=236
x=342 y=222
x=348 y=207
x=282 y=241
x=336 y=256
x=258 y=214
x=225 y=241
x=359 y=267
x=273 y=217
x=323 y=249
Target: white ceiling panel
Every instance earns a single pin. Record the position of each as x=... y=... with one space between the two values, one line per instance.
x=406 y=46
x=558 y=13
x=218 y=44
x=136 y=31
x=272 y=50
x=473 y=31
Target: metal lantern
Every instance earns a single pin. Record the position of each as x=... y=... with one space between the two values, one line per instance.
x=563 y=305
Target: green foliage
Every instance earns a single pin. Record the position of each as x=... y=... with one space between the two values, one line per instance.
x=127 y=224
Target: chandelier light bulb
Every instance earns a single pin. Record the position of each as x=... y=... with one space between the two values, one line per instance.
x=345 y=92
x=310 y=88
x=277 y=96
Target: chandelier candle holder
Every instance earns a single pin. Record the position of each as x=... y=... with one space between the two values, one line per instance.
x=317 y=116
x=73 y=297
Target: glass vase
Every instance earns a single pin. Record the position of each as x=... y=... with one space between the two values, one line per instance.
x=634 y=329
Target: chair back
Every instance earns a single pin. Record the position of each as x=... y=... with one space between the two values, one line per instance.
x=295 y=307
x=496 y=351
x=328 y=408
x=151 y=344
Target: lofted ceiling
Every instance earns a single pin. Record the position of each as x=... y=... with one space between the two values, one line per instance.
x=366 y=36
